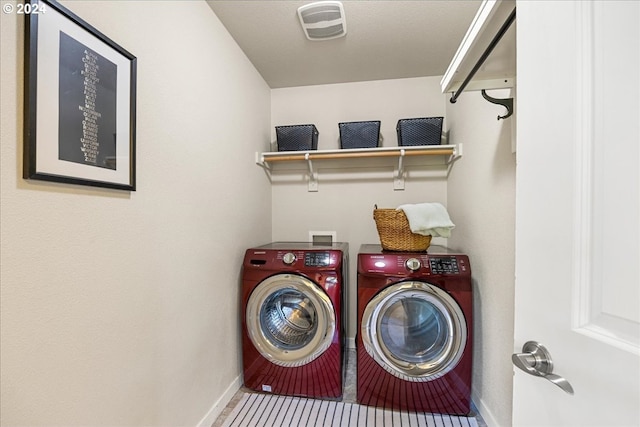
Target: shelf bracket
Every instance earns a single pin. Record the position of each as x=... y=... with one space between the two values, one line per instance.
x=313 y=176
x=264 y=165
x=457 y=153
x=398 y=174
x=506 y=103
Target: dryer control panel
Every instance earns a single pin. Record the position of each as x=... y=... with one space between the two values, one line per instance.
x=373 y=260
x=444 y=265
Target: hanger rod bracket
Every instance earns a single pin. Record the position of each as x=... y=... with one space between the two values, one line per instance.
x=506 y=103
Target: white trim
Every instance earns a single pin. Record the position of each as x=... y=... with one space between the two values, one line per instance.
x=595 y=332
x=485 y=412
x=476 y=85
x=583 y=148
x=351 y=343
x=218 y=406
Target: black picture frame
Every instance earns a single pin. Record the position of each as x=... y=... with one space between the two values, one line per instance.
x=80 y=102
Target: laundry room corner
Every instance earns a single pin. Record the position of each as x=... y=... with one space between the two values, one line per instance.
x=481 y=199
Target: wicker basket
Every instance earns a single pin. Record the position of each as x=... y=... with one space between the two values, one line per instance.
x=395 y=234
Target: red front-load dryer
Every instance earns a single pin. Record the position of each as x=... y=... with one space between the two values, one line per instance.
x=293 y=313
x=414 y=344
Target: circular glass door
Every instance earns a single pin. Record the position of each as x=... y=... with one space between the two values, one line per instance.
x=290 y=320
x=414 y=330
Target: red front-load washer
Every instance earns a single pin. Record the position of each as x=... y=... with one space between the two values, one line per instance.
x=293 y=313
x=414 y=344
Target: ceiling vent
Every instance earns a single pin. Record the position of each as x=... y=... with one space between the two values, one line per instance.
x=323 y=20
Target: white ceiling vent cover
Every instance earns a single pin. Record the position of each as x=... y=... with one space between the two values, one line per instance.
x=323 y=20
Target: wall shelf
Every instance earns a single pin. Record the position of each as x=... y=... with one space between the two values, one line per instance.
x=449 y=153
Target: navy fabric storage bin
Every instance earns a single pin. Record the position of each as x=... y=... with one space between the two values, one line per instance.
x=297 y=137
x=359 y=134
x=419 y=131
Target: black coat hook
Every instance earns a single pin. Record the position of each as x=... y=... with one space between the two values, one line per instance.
x=507 y=103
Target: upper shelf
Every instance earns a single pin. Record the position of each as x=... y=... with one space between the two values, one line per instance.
x=419 y=150
x=499 y=69
x=449 y=152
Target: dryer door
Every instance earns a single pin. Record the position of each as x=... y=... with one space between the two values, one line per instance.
x=414 y=330
x=290 y=320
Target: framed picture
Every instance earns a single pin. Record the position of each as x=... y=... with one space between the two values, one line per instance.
x=80 y=102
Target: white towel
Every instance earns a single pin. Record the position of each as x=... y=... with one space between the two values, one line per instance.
x=428 y=219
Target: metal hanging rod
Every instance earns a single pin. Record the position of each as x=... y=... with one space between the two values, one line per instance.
x=485 y=55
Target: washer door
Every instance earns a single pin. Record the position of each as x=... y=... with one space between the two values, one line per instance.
x=414 y=330
x=290 y=320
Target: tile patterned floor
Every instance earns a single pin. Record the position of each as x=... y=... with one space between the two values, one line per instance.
x=349 y=395
x=260 y=409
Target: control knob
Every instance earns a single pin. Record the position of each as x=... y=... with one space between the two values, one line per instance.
x=413 y=264
x=289 y=258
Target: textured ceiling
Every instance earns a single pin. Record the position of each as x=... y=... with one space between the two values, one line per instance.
x=385 y=39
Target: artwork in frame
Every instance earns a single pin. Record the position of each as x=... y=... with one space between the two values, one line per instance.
x=80 y=102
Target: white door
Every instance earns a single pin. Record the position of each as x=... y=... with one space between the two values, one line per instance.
x=577 y=211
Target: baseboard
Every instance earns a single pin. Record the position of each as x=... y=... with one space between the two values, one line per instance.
x=226 y=397
x=484 y=411
x=221 y=403
x=351 y=343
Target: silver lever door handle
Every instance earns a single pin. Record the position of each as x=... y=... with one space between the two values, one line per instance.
x=535 y=360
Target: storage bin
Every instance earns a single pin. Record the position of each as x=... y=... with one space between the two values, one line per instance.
x=419 y=131
x=297 y=137
x=359 y=134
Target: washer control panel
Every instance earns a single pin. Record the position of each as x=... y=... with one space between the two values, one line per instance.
x=296 y=256
x=311 y=259
x=317 y=259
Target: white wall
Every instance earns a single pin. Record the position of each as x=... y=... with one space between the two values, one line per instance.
x=121 y=308
x=348 y=190
x=384 y=100
x=481 y=196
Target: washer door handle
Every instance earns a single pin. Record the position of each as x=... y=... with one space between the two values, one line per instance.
x=536 y=360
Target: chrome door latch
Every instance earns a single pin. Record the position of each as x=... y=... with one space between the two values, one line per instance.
x=535 y=360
